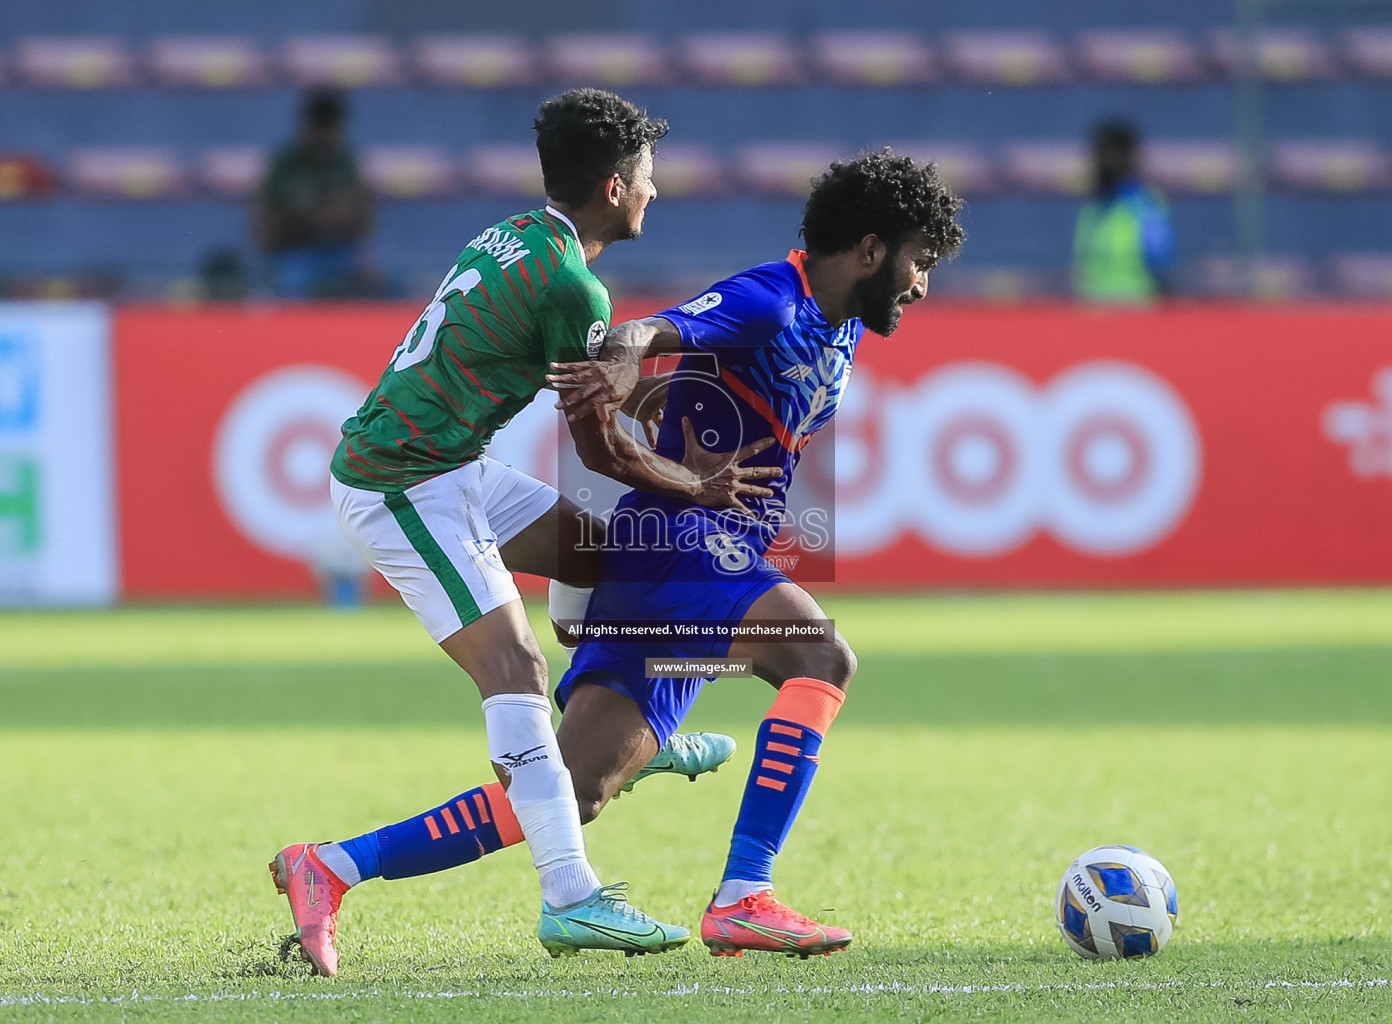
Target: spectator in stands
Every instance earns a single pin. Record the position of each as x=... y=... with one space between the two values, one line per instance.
x=1123 y=246
x=313 y=209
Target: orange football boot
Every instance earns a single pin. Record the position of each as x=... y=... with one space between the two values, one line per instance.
x=761 y=922
x=314 y=893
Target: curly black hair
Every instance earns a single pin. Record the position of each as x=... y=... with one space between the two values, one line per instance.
x=885 y=195
x=585 y=135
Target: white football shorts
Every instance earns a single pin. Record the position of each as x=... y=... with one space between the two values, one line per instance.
x=438 y=542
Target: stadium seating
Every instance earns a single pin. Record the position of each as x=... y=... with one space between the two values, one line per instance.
x=409 y=172
x=75 y=62
x=24 y=177
x=1368 y=51
x=208 y=62
x=783 y=169
x=474 y=61
x=342 y=61
x=127 y=172
x=741 y=58
x=689 y=171
x=505 y=170
x=1191 y=166
x=613 y=60
x=998 y=284
x=1140 y=56
x=1362 y=275
x=1282 y=54
x=962 y=165
x=1007 y=58
x=182 y=112
x=1154 y=56
x=232 y=172
x=1330 y=165
x=1046 y=168
x=872 y=58
x=1271 y=277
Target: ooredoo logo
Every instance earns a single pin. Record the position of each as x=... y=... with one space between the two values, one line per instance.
x=976 y=459
x=271 y=456
x=1366 y=427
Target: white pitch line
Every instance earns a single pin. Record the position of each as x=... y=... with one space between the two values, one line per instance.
x=897 y=988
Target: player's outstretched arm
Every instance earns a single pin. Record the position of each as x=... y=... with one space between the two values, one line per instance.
x=712 y=479
x=591 y=388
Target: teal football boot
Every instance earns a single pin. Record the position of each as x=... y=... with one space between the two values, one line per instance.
x=689 y=754
x=606 y=921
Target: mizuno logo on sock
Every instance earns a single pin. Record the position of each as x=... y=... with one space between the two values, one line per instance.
x=511 y=761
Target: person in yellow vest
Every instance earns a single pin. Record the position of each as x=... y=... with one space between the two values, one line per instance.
x=1123 y=246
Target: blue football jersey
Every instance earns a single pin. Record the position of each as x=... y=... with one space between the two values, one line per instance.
x=760 y=359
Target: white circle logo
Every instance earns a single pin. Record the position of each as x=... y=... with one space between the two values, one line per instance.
x=271 y=456
x=1106 y=458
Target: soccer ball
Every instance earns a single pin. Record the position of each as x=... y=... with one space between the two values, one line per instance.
x=1116 y=901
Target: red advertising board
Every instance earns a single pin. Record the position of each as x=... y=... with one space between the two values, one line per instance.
x=1040 y=446
x=1058 y=446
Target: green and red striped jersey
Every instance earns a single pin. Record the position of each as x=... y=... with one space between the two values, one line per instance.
x=519 y=297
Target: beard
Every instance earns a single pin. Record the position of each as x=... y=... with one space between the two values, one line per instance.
x=880 y=305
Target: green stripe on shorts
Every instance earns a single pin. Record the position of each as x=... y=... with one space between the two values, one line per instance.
x=434 y=557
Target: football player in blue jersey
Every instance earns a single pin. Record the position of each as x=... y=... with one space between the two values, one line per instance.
x=766 y=355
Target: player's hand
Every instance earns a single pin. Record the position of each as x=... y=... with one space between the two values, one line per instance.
x=646 y=403
x=724 y=479
x=591 y=388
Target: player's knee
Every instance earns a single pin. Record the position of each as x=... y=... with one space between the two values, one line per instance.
x=833 y=662
x=840 y=663
x=522 y=668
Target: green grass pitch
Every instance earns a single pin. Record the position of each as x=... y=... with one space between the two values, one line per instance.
x=151 y=760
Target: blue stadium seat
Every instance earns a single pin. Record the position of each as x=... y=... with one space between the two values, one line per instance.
x=504 y=170
x=208 y=62
x=612 y=60
x=409 y=172
x=75 y=62
x=997 y=284
x=741 y=58
x=1338 y=166
x=1368 y=51
x=231 y=172
x=127 y=173
x=1278 y=277
x=962 y=165
x=1007 y=58
x=24 y=178
x=872 y=58
x=1191 y=166
x=1362 y=275
x=784 y=168
x=1144 y=56
x=474 y=61
x=684 y=170
x=347 y=61
x=1048 y=168
x=1283 y=54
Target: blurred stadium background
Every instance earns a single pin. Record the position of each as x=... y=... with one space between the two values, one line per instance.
x=135 y=133
x=162 y=446
x=159 y=445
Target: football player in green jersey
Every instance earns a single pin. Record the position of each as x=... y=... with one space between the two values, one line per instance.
x=444 y=524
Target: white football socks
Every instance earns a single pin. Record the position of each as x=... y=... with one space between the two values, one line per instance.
x=522 y=742
x=736 y=889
